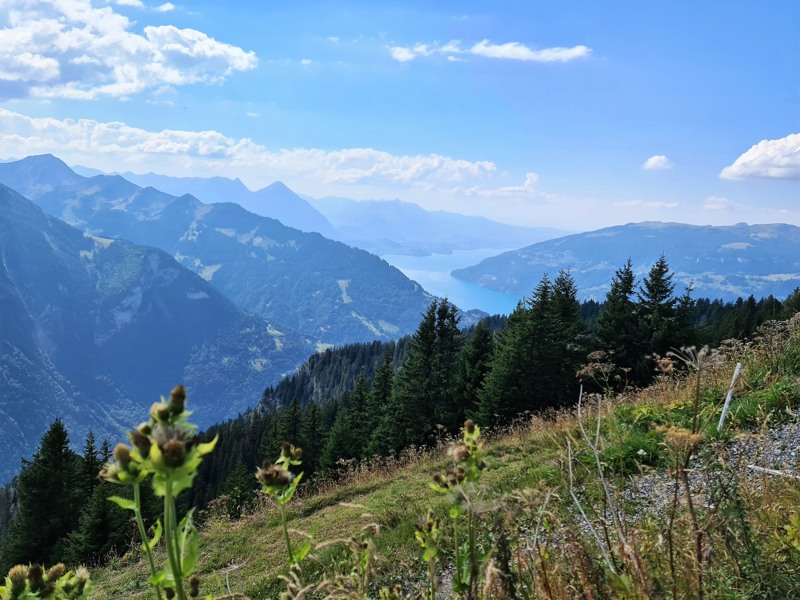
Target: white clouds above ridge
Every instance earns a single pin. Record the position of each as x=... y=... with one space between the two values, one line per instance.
x=70 y=49
x=117 y=146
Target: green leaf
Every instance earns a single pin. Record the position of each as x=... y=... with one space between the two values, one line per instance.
x=157 y=531
x=189 y=545
x=157 y=579
x=286 y=496
x=124 y=503
x=300 y=552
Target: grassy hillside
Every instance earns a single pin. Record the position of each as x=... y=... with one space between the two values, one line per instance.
x=673 y=511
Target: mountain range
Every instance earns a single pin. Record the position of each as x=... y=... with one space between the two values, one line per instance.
x=94 y=330
x=322 y=289
x=725 y=262
x=379 y=226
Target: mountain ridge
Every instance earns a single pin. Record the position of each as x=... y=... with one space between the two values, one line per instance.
x=723 y=262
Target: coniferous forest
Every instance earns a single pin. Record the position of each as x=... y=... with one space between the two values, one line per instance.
x=361 y=401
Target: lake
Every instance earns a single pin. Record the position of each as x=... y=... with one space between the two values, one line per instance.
x=433 y=273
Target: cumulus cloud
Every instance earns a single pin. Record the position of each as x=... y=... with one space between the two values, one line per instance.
x=116 y=146
x=772 y=159
x=166 y=7
x=484 y=48
x=74 y=50
x=136 y=3
x=657 y=162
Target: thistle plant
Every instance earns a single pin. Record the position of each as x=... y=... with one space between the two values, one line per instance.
x=461 y=482
x=279 y=483
x=428 y=532
x=25 y=582
x=167 y=448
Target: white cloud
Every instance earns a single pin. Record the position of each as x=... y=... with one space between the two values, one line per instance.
x=526 y=189
x=70 y=49
x=166 y=7
x=646 y=204
x=517 y=51
x=401 y=54
x=305 y=62
x=657 y=162
x=716 y=203
x=508 y=51
x=136 y=3
x=774 y=159
x=252 y=115
x=115 y=146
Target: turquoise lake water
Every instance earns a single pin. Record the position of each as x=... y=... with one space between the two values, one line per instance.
x=433 y=273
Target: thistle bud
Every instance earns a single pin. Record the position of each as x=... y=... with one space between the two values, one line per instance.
x=56 y=571
x=177 y=400
x=286 y=449
x=122 y=454
x=35 y=573
x=469 y=425
x=194 y=586
x=169 y=593
x=144 y=429
x=17 y=576
x=142 y=442
x=174 y=453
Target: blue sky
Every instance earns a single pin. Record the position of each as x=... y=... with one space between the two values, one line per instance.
x=571 y=114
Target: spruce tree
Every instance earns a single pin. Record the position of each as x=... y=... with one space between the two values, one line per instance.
x=617 y=330
x=657 y=308
x=311 y=438
x=424 y=390
x=49 y=502
x=475 y=363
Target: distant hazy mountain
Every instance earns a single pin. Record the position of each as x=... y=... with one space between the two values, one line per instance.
x=276 y=201
x=721 y=262
x=395 y=227
x=323 y=289
x=94 y=330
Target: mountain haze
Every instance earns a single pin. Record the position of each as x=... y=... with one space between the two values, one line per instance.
x=720 y=262
x=94 y=330
x=395 y=227
x=323 y=289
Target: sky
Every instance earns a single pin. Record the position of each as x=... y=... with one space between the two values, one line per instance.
x=575 y=115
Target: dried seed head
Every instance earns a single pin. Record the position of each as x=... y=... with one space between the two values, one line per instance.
x=458 y=452
x=469 y=425
x=169 y=593
x=274 y=476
